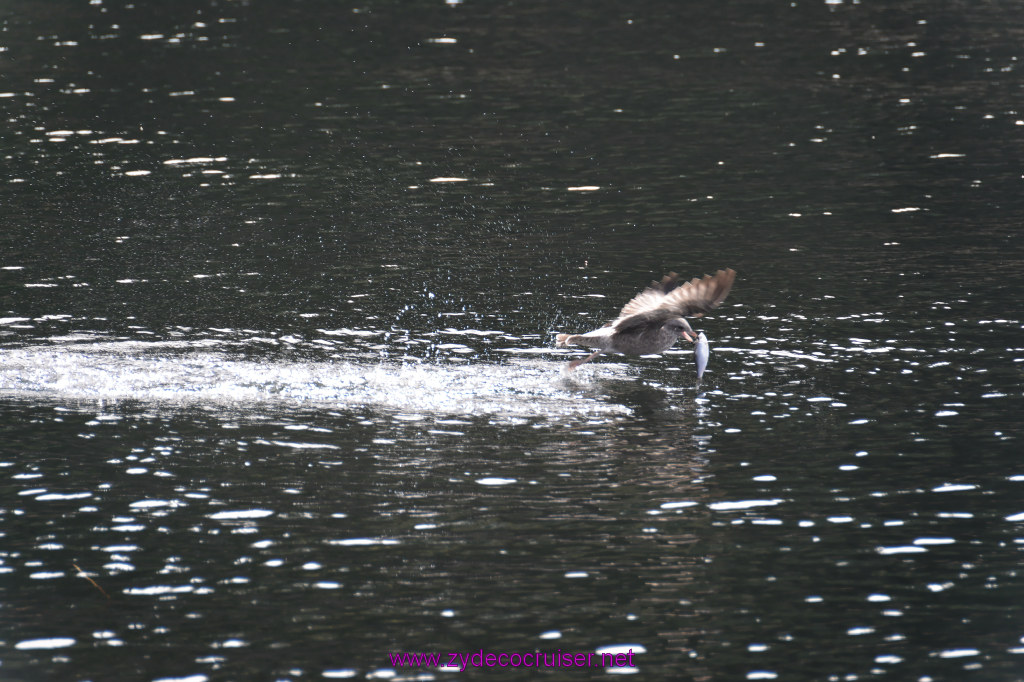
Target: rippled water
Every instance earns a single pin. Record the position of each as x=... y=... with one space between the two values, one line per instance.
x=278 y=292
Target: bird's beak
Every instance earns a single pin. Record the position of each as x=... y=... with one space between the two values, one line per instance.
x=690 y=336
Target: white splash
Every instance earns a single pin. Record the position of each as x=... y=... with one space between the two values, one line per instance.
x=190 y=373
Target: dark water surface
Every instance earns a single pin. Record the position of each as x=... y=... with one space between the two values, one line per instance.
x=278 y=290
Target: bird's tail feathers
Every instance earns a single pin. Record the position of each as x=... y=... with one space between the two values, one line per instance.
x=563 y=340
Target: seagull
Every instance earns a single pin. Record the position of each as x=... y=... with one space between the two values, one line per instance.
x=655 y=318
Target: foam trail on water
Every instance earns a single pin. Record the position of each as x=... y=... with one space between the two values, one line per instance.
x=189 y=373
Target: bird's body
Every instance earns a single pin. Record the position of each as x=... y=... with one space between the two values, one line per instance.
x=640 y=340
x=655 y=318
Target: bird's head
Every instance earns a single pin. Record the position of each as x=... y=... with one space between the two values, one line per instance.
x=680 y=327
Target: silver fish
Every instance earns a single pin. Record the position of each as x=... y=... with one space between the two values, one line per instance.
x=701 y=353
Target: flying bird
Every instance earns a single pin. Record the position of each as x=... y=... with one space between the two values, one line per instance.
x=655 y=318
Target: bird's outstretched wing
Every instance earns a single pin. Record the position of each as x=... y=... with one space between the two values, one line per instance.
x=668 y=298
x=651 y=297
